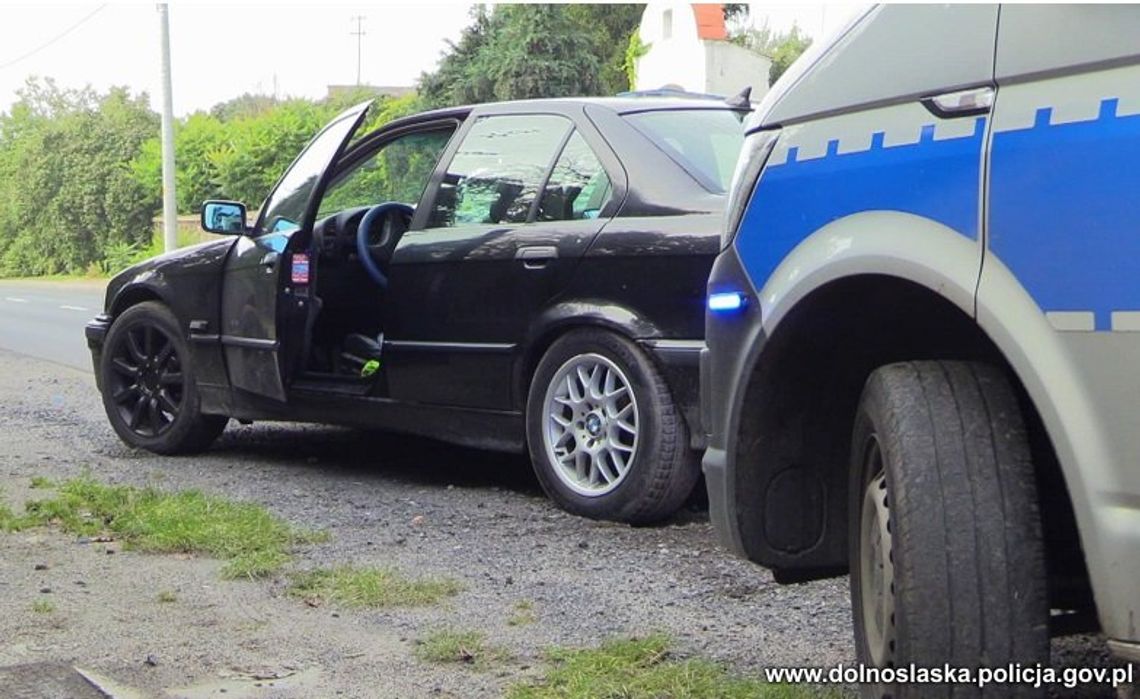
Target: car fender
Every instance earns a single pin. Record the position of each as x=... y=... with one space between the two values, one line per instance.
x=890 y=243
x=565 y=315
x=189 y=282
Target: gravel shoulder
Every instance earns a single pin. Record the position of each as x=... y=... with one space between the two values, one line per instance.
x=424 y=508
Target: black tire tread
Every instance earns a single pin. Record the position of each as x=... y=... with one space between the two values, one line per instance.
x=969 y=556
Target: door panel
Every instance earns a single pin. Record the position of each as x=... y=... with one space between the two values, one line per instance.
x=249 y=318
x=465 y=289
x=254 y=288
x=1060 y=283
x=462 y=300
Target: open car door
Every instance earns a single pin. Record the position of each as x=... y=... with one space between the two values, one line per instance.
x=265 y=284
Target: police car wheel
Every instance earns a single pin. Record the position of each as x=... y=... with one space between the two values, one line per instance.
x=149 y=391
x=947 y=560
x=605 y=437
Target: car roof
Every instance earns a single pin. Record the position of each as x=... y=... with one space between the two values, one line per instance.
x=621 y=104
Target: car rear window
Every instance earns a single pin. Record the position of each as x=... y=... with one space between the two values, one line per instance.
x=705 y=142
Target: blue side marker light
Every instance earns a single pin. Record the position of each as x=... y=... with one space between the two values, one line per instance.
x=726 y=301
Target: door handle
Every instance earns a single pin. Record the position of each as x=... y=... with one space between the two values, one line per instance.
x=536 y=256
x=269 y=261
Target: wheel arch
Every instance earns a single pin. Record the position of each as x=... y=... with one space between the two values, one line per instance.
x=565 y=317
x=133 y=294
x=841 y=305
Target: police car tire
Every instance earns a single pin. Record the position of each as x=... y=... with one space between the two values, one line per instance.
x=969 y=578
x=192 y=431
x=664 y=470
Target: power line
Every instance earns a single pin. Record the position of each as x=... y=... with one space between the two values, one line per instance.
x=53 y=40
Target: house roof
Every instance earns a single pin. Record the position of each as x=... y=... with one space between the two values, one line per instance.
x=710 y=20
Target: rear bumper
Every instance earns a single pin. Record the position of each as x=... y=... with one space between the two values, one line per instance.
x=96 y=332
x=680 y=362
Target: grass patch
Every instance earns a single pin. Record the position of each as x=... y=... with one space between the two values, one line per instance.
x=42 y=606
x=644 y=669
x=523 y=614
x=41 y=482
x=369 y=587
x=462 y=647
x=253 y=541
x=167 y=597
x=9 y=520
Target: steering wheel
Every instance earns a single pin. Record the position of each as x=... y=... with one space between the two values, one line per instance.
x=375 y=243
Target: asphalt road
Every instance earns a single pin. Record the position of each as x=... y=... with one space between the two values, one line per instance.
x=45 y=319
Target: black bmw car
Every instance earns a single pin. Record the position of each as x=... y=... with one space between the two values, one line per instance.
x=525 y=275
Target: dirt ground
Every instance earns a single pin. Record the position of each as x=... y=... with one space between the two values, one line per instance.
x=422 y=507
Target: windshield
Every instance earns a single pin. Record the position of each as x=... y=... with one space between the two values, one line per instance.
x=706 y=142
x=285 y=207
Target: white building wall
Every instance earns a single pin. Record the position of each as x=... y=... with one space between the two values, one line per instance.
x=676 y=60
x=730 y=68
x=678 y=57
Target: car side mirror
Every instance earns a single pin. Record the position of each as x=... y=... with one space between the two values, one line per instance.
x=224 y=217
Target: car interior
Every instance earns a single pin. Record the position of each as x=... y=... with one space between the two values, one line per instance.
x=366 y=209
x=353 y=248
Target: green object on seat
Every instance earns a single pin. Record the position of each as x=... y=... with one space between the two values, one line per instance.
x=370 y=367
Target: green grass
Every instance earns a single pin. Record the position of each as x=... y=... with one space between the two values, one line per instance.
x=42 y=482
x=167 y=597
x=253 y=541
x=370 y=587
x=9 y=520
x=463 y=647
x=42 y=606
x=645 y=669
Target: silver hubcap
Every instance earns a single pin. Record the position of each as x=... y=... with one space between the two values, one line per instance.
x=591 y=425
x=877 y=569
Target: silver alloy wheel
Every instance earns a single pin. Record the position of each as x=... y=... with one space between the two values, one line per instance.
x=876 y=563
x=590 y=425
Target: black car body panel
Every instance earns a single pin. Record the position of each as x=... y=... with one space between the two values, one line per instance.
x=468 y=310
x=189 y=281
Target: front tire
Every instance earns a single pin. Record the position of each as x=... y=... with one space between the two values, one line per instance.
x=149 y=389
x=605 y=437
x=947 y=559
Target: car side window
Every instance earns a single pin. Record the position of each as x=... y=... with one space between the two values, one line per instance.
x=398 y=172
x=497 y=171
x=578 y=187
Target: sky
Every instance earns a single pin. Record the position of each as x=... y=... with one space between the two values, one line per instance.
x=220 y=51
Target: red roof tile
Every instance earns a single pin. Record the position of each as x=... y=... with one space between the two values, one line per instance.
x=710 y=20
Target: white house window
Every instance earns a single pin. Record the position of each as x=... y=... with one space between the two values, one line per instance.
x=667 y=24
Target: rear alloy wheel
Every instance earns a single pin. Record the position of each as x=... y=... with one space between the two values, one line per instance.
x=591 y=425
x=605 y=437
x=148 y=386
x=947 y=560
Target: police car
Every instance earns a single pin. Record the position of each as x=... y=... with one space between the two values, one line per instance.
x=923 y=332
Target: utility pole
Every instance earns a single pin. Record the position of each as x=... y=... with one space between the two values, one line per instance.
x=359 y=34
x=169 y=201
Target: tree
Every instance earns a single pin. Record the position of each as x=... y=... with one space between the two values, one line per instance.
x=539 y=51
x=613 y=26
x=66 y=177
x=461 y=77
x=783 y=48
x=789 y=47
x=523 y=51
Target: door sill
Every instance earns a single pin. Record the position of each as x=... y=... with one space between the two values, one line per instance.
x=338 y=384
